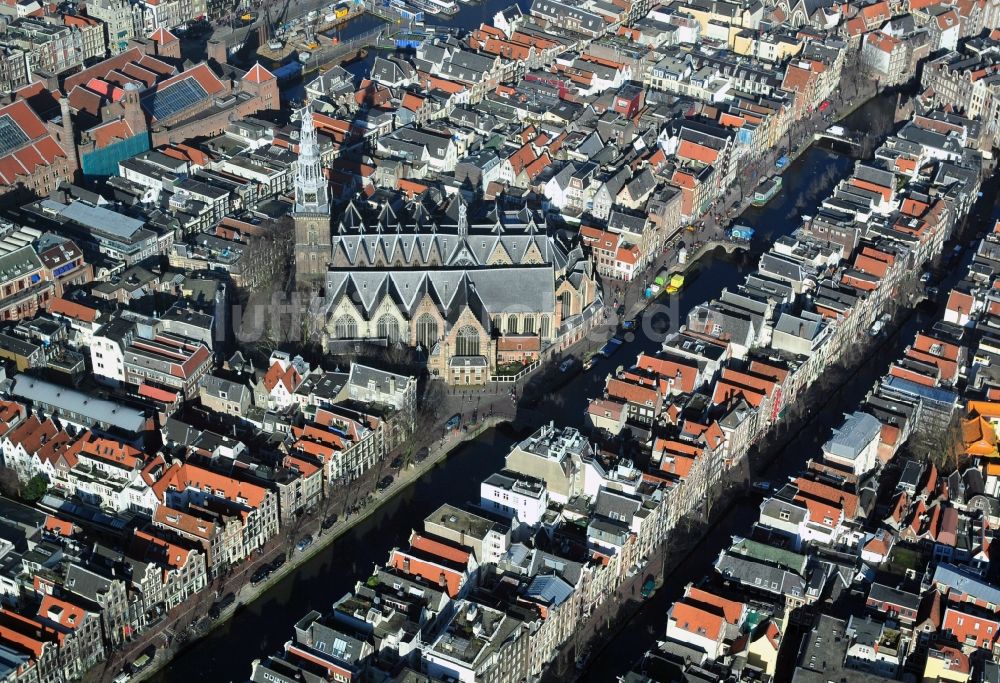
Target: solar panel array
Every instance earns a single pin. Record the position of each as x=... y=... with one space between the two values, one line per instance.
x=175 y=98
x=12 y=138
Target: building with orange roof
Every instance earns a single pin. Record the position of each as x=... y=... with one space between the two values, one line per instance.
x=217 y=531
x=959 y=307
x=884 y=56
x=677 y=374
x=643 y=402
x=347 y=442
x=39 y=643
x=33 y=159
x=979 y=436
x=59 y=527
x=184 y=486
x=81 y=642
x=12 y=414
x=611 y=253
x=607 y=414
x=946 y=664
x=276 y=389
x=168 y=573
x=705 y=620
x=22 y=441
x=449 y=575
x=98 y=471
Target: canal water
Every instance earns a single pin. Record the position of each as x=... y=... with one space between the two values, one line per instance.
x=262 y=627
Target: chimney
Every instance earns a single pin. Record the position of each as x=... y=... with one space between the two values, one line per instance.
x=216 y=50
x=68 y=136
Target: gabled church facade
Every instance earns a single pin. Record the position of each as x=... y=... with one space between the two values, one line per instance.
x=456 y=287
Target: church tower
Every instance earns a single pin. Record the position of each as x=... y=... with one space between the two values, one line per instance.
x=312 y=209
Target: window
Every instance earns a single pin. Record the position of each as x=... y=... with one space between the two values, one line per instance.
x=427 y=330
x=467 y=342
x=387 y=328
x=512 y=324
x=544 y=329
x=345 y=328
x=529 y=325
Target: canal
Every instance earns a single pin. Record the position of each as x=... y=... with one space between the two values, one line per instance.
x=263 y=626
x=801 y=191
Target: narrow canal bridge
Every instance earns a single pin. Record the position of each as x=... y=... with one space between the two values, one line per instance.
x=840 y=139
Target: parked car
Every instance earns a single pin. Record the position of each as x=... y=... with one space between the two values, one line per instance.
x=260 y=575
x=453 y=422
x=611 y=346
x=422 y=454
x=278 y=562
x=567 y=364
x=385 y=482
x=329 y=521
x=219 y=605
x=304 y=542
x=144 y=659
x=628 y=325
x=648 y=586
x=397 y=463
x=589 y=363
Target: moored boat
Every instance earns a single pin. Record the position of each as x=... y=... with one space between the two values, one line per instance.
x=766 y=191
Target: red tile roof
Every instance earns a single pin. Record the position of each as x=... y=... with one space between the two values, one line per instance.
x=110 y=132
x=259 y=74
x=186 y=476
x=39 y=150
x=289 y=377
x=66 y=614
x=439 y=548
x=71 y=309
x=58 y=526
x=162 y=36
x=696 y=620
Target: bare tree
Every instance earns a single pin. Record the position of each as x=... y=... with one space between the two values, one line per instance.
x=944 y=446
x=269 y=255
x=10 y=485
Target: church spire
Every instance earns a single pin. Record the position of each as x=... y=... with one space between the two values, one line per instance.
x=311 y=193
